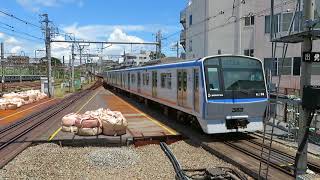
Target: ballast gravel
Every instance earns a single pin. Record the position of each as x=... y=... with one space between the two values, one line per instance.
x=50 y=161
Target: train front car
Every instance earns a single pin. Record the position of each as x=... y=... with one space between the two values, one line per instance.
x=235 y=94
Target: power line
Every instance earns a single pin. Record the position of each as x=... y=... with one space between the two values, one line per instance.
x=6 y=24
x=20 y=32
x=170 y=35
x=19 y=19
x=16 y=35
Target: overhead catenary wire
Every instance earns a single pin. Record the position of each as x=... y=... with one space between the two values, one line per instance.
x=21 y=32
x=6 y=24
x=22 y=37
x=19 y=19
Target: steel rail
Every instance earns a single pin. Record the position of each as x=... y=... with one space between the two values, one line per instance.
x=39 y=119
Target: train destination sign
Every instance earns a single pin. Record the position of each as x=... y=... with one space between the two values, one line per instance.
x=311 y=57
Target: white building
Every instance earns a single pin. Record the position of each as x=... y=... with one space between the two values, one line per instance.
x=136 y=59
x=243 y=27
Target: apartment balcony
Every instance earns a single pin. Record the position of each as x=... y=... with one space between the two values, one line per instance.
x=183 y=18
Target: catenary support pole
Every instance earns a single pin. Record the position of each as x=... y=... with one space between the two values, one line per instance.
x=48 y=52
x=72 y=68
x=305 y=79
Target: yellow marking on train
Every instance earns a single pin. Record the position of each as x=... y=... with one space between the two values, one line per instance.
x=173 y=132
x=59 y=129
x=26 y=109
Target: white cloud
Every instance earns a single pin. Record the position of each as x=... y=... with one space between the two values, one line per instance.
x=12 y=41
x=119 y=35
x=16 y=49
x=36 y=5
x=97 y=31
x=94 y=32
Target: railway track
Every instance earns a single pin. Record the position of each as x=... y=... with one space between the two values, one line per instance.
x=17 y=136
x=18 y=86
x=240 y=149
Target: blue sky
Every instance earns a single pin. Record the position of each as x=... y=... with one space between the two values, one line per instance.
x=122 y=20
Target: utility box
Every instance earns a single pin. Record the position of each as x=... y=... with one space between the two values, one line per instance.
x=311 y=97
x=44 y=85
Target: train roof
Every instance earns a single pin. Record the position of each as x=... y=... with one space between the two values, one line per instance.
x=177 y=63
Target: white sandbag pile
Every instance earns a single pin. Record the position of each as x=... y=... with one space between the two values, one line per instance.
x=91 y=123
x=12 y=101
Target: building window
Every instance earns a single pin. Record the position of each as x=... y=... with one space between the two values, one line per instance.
x=296 y=66
x=286 y=21
x=297 y=25
x=315 y=69
x=275 y=67
x=190 y=45
x=285 y=66
x=249 y=52
x=267 y=24
x=276 y=26
x=190 y=20
x=249 y=21
x=166 y=80
x=283 y=24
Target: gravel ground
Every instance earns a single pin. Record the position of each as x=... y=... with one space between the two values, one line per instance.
x=49 y=161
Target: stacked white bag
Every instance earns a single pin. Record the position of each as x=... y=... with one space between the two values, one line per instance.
x=110 y=123
x=68 y=123
x=11 y=101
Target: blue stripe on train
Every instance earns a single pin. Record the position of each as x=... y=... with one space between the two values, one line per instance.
x=247 y=100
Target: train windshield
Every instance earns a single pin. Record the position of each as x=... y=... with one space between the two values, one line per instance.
x=234 y=77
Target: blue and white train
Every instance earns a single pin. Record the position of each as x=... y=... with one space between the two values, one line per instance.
x=224 y=93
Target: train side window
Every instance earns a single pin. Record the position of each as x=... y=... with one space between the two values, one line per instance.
x=147 y=79
x=163 y=80
x=213 y=79
x=133 y=78
x=144 y=79
x=166 y=80
x=185 y=80
x=196 y=81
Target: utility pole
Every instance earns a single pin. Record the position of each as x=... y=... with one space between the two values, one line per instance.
x=2 y=67
x=70 y=73
x=48 y=52
x=64 y=69
x=72 y=67
x=158 y=40
x=305 y=79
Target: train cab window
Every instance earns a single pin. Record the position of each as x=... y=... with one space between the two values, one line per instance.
x=213 y=79
x=234 y=77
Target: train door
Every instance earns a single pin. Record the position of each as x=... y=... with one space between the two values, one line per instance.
x=139 y=82
x=182 y=87
x=179 y=87
x=196 y=89
x=129 y=82
x=121 y=80
x=154 y=83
